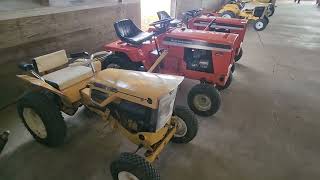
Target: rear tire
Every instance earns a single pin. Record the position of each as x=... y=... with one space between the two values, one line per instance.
x=205 y=92
x=271 y=10
x=132 y=166
x=260 y=24
x=239 y=55
x=119 y=62
x=187 y=126
x=228 y=14
x=228 y=83
x=43 y=119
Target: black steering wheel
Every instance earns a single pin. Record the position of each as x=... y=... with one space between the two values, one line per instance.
x=162 y=22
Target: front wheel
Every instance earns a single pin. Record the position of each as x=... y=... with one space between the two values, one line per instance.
x=204 y=99
x=187 y=125
x=228 y=83
x=132 y=167
x=260 y=24
x=239 y=55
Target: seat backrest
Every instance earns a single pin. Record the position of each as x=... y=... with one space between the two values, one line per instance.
x=50 y=61
x=126 y=28
x=163 y=15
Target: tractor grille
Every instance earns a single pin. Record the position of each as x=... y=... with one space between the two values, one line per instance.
x=258 y=11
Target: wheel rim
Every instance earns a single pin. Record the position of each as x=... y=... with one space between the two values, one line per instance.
x=181 y=128
x=34 y=122
x=202 y=102
x=114 y=66
x=226 y=16
x=259 y=25
x=124 y=175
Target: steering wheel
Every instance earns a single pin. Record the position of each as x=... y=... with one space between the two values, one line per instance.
x=161 y=22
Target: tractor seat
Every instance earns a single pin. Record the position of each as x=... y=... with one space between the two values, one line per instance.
x=164 y=15
x=69 y=76
x=128 y=32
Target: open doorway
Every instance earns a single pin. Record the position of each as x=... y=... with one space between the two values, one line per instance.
x=149 y=9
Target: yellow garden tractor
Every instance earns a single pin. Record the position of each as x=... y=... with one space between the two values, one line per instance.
x=271 y=5
x=138 y=104
x=252 y=11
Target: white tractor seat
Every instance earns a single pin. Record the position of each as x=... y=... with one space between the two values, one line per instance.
x=69 y=76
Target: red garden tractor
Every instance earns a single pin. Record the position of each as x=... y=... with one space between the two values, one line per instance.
x=200 y=55
x=195 y=19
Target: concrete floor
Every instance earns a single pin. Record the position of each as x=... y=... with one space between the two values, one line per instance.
x=267 y=128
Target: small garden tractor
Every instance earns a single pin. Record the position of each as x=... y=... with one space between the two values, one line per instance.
x=194 y=19
x=253 y=11
x=271 y=4
x=200 y=55
x=138 y=104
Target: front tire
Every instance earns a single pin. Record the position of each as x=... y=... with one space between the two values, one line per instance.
x=239 y=55
x=228 y=83
x=132 y=166
x=187 y=125
x=204 y=99
x=260 y=24
x=43 y=119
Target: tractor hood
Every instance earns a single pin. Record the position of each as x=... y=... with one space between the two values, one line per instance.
x=143 y=85
x=201 y=39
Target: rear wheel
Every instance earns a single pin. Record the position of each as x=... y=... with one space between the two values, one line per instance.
x=239 y=55
x=220 y=88
x=228 y=14
x=119 y=62
x=270 y=11
x=132 y=167
x=260 y=24
x=204 y=99
x=187 y=125
x=43 y=119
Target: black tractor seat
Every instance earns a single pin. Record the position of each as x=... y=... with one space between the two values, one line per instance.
x=164 y=15
x=128 y=32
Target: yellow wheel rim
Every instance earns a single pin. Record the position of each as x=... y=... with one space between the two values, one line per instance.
x=202 y=102
x=34 y=122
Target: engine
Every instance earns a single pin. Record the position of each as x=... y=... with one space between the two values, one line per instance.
x=135 y=117
x=198 y=60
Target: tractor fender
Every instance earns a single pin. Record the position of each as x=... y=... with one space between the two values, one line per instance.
x=39 y=83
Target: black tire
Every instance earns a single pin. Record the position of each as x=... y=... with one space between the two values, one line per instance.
x=228 y=13
x=267 y=19
x=210 y=92
x=260 y=24
x=272 y=9
x=191 y=123
x=228 y=83
x=233 y=68
x=239 y=55
x=50 y=115
x=120 y=62
x=135 y=165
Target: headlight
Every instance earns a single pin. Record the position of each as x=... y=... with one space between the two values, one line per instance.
x=165 y=109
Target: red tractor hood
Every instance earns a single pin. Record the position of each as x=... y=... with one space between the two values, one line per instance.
x=201 y=39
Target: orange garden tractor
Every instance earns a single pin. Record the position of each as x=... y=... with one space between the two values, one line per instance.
x=195 y=19
x=195 y=54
